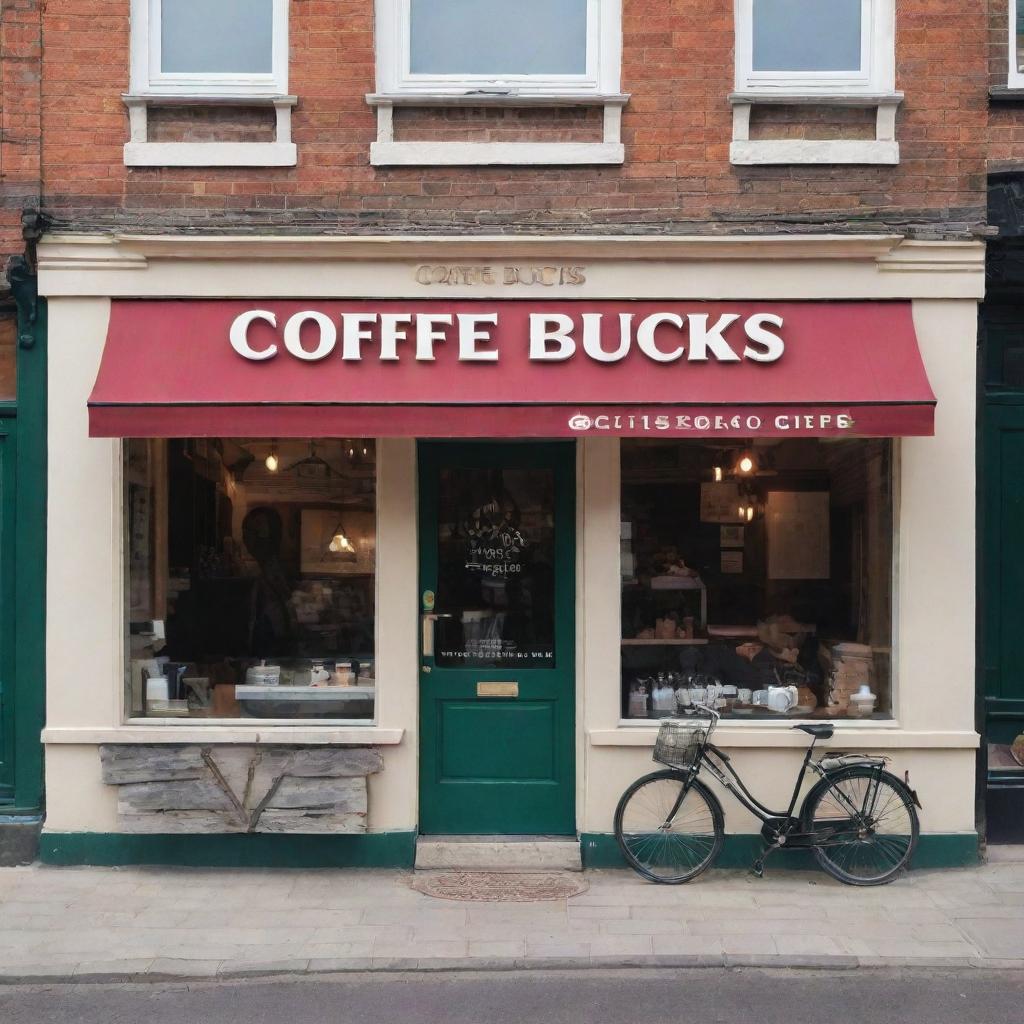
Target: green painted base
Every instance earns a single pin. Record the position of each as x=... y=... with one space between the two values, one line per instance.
x=935 y=850
x=372 y=850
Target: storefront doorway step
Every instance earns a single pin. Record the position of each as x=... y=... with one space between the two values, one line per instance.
x=498 y=853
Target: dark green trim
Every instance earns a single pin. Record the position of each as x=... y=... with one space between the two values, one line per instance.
x=936 y=850
x=28 y=697
x=108 y=849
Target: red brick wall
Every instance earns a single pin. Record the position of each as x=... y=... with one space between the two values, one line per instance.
x=677 y=63
x=20 y=55
x=1006 y=120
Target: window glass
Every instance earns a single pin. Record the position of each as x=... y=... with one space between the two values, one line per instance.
x=251 y=569
x=226 y=37
x=495 y=37
x=496 y=577
x=757 y=578
x=8 y=358
x=1018 y=57
x=807 y=35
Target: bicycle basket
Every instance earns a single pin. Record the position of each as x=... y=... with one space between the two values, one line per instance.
x=680 y=743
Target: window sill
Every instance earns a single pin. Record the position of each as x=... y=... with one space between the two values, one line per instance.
x=140 y=152
x=789 y=97
x=496 y=99
x=386 y=152
x=760 y=152
x=1006 y=94
x=882 y=150
x=485 y=154
x=869 y=733
x=210 y=154
x=265 y=733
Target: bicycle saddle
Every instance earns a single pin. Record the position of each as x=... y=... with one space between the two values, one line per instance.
x=819 y=732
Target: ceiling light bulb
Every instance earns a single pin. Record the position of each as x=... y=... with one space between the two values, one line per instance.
x=746 y=464
x=750 y=513
x=718 y=474
x=272 y=462
x=340 y=544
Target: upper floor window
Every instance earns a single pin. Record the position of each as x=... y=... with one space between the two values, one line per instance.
x=231 y=47
x=814 y=46
x=1015 y=78
x=562 y=47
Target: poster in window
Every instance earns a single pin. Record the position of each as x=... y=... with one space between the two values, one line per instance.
x=720 y=503
x=798 y=535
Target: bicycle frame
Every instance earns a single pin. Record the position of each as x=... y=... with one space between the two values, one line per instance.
x=783 y=822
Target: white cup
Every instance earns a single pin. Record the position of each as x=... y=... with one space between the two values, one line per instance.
x=156 y=688
x=782 y=698
x=744 y=695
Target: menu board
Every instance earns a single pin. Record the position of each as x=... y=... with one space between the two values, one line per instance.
x=798 y=535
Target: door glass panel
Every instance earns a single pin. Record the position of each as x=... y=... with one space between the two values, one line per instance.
x=496 y=568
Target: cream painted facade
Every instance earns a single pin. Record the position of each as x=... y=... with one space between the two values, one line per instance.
x=932 y=734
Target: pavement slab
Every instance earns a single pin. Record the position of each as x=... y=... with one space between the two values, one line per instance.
x=91 y=924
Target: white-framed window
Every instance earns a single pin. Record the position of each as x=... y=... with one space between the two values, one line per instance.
x=1015 y=78
x=454 y=47
x=815 y=46
x=195 y=47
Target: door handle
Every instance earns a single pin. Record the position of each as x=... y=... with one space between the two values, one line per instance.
x=429 y=618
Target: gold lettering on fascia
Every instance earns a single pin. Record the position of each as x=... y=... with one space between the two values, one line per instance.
x=430 y=274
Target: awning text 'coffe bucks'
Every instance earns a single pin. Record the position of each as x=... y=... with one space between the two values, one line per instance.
x=663 y=337
x=507 y=368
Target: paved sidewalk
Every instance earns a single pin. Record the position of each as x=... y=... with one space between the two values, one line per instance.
x=131 y=924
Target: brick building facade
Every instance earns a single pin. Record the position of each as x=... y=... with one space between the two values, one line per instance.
x=680 y=162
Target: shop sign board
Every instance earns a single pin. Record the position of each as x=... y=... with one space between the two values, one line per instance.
x=503 y=368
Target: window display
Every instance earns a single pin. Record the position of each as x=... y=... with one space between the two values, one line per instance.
x=757 y=578
x=251 y=578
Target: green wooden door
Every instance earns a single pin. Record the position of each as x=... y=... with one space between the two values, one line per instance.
x=7 y=630
x=1002 y=589
x=497 y=682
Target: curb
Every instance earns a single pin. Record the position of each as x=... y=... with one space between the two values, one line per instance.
x=167 y=970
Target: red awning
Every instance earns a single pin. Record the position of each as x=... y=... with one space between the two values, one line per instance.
x=471 y=369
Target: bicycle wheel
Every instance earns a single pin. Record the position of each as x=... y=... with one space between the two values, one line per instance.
x=663 y=846
x=866 y=822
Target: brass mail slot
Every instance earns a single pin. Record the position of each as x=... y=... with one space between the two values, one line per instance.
x=497 y=689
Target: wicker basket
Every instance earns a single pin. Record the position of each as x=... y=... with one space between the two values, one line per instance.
x=680 y=743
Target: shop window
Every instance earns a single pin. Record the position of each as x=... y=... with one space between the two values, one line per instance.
x=1016 y=52
x=250 y=579
x=757 y=578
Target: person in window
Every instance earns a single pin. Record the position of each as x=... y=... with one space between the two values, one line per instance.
x=273 y=627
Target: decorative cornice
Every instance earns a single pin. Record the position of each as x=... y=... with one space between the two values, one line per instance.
x=130 y=251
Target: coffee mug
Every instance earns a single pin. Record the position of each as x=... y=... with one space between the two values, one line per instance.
x=782 y=698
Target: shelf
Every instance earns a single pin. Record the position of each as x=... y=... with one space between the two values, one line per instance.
x=696 y=642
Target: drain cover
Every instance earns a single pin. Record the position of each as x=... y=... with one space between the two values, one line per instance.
x=496 y=887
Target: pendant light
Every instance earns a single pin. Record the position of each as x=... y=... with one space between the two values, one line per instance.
x=273 y=462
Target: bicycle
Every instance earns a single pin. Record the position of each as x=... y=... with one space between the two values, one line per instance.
x=859 y=819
